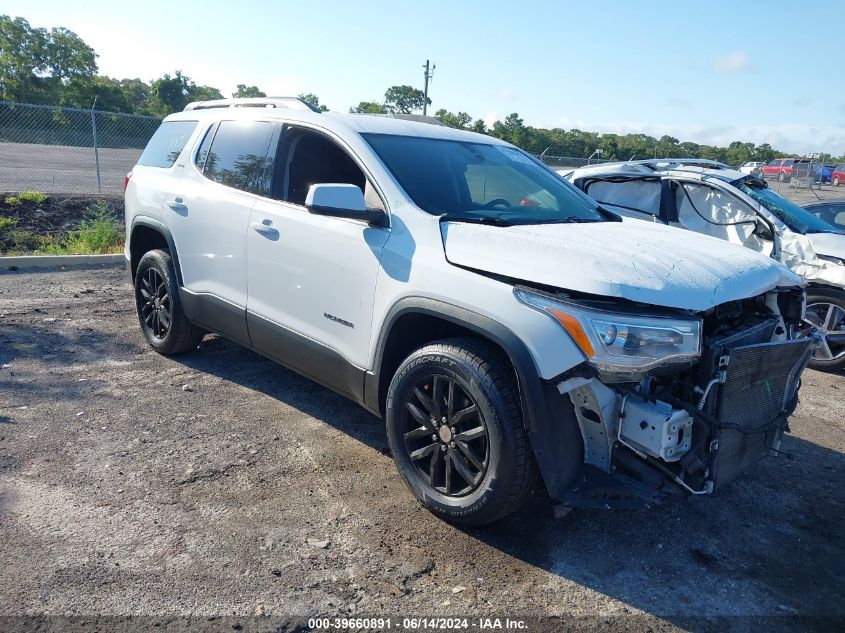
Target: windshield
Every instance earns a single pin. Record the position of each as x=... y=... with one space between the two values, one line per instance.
x=797 y=219
x=480 y=182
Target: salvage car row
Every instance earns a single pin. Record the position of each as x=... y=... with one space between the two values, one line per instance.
x=504 y=324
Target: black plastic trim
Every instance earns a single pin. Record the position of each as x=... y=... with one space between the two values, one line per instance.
x=312 y=359
x=156 y=225
x=370 y=216
x=215 y=314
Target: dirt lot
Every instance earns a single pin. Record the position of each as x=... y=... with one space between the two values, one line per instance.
x=219 y=484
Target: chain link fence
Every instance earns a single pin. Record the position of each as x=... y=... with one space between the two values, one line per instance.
x=68 y=150
x=569 y=162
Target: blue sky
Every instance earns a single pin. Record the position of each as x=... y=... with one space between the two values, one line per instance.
x=709 y=72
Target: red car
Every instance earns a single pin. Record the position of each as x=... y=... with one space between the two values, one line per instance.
x=781 y=168
x=837 y=176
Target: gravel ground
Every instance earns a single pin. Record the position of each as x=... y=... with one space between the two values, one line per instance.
x=219 y=484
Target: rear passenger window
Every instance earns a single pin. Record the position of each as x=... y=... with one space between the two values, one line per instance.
x=238 y=156
x=167 y=143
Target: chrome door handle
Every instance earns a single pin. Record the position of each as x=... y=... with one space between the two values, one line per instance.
x=264 y=229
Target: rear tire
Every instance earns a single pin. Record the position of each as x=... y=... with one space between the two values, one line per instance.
x=492 y=466
x=826 y=311
x=159 y=307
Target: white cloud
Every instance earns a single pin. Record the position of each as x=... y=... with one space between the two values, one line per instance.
x=507 y=95
x=733 y=63
x=490 y=118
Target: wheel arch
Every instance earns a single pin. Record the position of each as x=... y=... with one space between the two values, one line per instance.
x=416 y=321
x=148 y=234
x=549 y=418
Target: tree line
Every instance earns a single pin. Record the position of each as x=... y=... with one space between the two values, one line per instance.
x=56 y=67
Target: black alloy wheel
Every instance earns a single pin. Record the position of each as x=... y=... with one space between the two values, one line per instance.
x=446 y=436
x=155 y=303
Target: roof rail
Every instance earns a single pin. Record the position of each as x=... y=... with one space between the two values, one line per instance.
x=419 y=118
x=289 y=103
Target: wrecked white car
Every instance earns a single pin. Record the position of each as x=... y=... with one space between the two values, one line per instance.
x=714 y=199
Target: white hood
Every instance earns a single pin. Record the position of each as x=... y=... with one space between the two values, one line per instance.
x=640 y=261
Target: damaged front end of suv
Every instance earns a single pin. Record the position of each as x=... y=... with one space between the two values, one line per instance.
x=674 y=401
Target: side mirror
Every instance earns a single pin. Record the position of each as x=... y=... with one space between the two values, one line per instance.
x=763 y=231
x=341 y=200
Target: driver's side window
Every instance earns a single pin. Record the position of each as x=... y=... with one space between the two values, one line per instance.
x=306 y=158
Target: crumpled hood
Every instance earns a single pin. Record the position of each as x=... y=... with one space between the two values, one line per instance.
x=830 y=244
x=801 y=254
x=640 y=261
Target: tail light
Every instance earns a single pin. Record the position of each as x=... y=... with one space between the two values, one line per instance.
x=126 y=180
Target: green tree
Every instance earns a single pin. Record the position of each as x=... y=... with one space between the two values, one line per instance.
x=479 y=126
x=36 y=64
x=171 y=94
x=460 y=120
x=314 y=100
x=81 y=93
x=404 y=99
x=512 y=130
x=368 y=107
x=204 y=93
x=248 y=91
x=137 y=95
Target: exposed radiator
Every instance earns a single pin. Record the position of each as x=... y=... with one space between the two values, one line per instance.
x=761 y=381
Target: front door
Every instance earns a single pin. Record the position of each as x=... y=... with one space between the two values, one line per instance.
x=312 y=278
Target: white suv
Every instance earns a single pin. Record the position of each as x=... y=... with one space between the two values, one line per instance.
x=501 y=323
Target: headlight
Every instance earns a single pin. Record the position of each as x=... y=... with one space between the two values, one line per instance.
x=622 y=347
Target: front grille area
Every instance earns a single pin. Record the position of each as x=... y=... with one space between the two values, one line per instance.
x=760 y=383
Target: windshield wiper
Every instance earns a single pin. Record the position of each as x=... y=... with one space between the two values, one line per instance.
x=476 y=219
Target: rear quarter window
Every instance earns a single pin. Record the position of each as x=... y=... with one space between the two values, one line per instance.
x=167 y=143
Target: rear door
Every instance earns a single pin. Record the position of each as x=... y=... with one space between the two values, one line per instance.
x=157 y=173
x=209 y=216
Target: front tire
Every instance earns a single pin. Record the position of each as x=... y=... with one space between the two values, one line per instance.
x=454 y=426
x=826 y=312
x=835 y=181
x=159 y=307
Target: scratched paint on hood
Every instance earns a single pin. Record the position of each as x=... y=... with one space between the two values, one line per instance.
x=635 y=260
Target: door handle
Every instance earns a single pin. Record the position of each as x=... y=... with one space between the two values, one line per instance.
x=264 y=229
x=177 y=205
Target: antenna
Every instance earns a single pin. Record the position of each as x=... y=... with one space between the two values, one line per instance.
x=429 y=76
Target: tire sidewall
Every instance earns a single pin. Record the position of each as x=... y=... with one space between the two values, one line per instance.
x=492 y=492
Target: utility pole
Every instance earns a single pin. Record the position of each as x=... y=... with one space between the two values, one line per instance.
x=429 y=75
